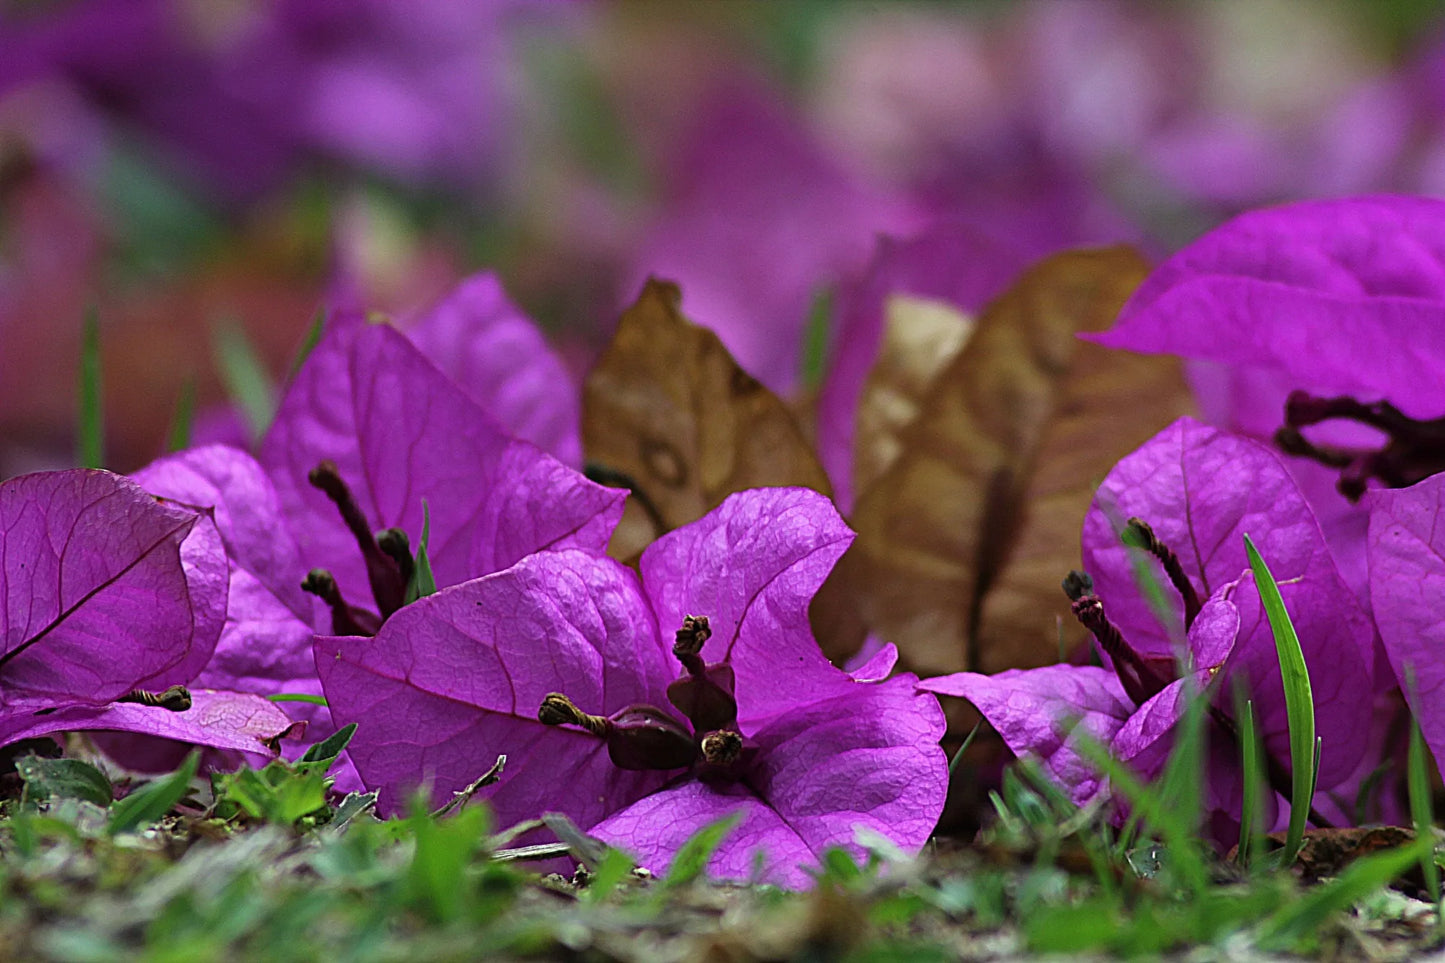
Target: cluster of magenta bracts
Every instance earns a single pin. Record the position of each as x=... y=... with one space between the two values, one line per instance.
x=229 y=577
x=645 y=737
x=194 y=573
x=1323 y=370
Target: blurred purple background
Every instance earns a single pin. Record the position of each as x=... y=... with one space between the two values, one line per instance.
x=185 y=164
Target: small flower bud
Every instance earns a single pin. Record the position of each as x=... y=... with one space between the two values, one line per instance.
x=175 y=699
x=646 y=738
x=722 y=748
x=1077 y=585
x=639 y=737
x=345 y=619
x=556 y=709
x=725 y=757
x=394 y=543
x=692 y=636
x=707 y=699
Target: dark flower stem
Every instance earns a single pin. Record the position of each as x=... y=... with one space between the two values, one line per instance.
x=1141 y=680
x=1139 y=534
x=345 y=619
x=382 y=571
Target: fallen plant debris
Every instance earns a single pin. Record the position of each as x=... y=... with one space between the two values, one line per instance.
x=963 y=536
x=668 y=414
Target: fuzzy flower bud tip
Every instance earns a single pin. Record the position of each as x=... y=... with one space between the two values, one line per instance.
x=692 y=636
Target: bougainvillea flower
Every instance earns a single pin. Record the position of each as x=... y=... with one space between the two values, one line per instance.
x=1201 y=490
x=1316 y=325
x=741 y=713
x=369 y=428
x=1338 y=297
x=1190 y=495
x=266 y=644
x=404 y=432
x=112 y=604
x=494 y=352
x=1407 y=591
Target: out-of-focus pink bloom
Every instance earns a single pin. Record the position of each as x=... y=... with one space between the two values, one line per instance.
x=420 y=93
x=756 y=219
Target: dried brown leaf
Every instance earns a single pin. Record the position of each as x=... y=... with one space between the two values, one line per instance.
x=963 y=540
x=1326 y=852
x=920 y=337
x=669 y=411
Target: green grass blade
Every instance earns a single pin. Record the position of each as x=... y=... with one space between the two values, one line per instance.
x=314 y=700
x=244 y=375
x=90 y=439
x=330 y=747
x=183 y=419
x=1179 y=833
x=422 y=582
x=1251 y=752
x=1298 y=699
x=968 y=741
x=151 y=802
x=816 y=334
x=308 y=343
x=613 y=869
x=1181 y=792
x=1422 y=811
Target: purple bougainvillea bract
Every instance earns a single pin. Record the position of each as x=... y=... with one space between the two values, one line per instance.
x=456 y=679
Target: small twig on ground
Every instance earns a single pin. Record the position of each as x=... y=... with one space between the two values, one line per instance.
x=460 y=799
x=537 y=851
x=588 y=850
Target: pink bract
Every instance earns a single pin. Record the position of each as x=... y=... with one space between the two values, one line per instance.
x=1341 y=296
x=399 y=431
x=1407 y=591
x=108 y=590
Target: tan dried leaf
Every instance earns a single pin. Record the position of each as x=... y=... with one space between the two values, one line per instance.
x=669 y=409
x=920 y=337
x=963 y=540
